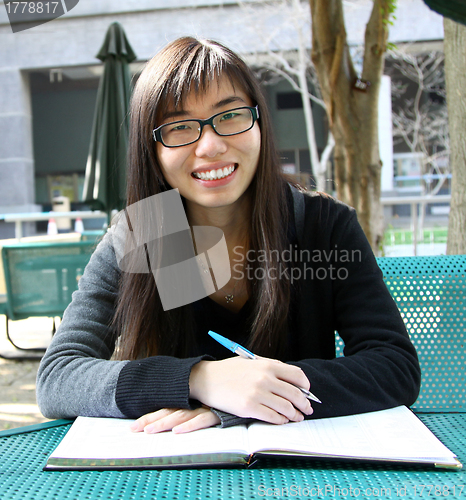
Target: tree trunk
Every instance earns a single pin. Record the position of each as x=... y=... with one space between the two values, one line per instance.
x=455 y=71
x=352 y=107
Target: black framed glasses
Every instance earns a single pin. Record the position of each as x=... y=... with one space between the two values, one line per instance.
x=183 y=132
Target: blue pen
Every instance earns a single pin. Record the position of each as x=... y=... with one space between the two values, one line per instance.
x=244 y=353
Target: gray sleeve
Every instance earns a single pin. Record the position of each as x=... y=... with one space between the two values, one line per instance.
x=229 y=419
x=76 y=375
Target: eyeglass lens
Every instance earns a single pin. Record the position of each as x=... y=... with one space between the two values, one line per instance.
x=230 y=122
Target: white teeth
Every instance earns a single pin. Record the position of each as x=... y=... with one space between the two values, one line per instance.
x=214 y=174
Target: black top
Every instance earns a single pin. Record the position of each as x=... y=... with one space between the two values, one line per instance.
x=340 y=288
x=209 y=315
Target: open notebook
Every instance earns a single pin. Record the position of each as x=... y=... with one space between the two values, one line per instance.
x=394 y=435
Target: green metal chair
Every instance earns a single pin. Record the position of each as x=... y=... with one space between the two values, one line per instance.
x=430 y=293
x=40 y=278
x=93 y=235
x=3 y=304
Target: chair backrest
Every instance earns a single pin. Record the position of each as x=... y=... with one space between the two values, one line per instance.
x=93 y=235
x=40 y=277
x=430 y=293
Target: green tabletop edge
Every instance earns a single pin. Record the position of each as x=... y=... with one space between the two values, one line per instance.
x=35 y=427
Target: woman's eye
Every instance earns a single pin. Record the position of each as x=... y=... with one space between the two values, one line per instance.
x=181 y=126
x=228 y=116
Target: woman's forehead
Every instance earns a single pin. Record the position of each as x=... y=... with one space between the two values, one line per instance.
x=218 y=92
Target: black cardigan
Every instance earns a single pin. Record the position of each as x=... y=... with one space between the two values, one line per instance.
x=340 y=288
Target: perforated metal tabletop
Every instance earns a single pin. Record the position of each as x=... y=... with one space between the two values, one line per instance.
x=23 y=454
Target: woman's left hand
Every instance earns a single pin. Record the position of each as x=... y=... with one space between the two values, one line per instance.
x=178 y=421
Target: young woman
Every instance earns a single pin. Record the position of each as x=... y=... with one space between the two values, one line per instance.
x=301 y=269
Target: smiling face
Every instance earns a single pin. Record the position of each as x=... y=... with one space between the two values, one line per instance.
x=215 y=171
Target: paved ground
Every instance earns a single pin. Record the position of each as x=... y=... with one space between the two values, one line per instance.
x=18 y=404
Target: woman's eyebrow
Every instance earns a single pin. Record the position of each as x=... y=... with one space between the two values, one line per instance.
x=220 y=104
x=229 y=100
x=174 y=114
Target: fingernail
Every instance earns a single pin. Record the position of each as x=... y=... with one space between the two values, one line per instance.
x=134 y=426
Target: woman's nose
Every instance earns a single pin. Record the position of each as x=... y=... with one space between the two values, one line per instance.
x=210 y=144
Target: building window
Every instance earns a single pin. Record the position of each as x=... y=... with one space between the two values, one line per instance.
x=296 y=164
x=288 y=161
x=408 y=171
x=289 y=100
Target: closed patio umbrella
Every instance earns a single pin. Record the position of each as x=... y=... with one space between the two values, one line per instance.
x=454 y=9
x=104 y=183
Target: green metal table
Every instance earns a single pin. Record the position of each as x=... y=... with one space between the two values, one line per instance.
x=24 y=451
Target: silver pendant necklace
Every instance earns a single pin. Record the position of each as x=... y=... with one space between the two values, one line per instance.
x=229 y=296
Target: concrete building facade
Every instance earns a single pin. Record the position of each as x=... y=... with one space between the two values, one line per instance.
x=49 y=77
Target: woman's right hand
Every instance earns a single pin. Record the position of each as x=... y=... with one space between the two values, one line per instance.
x=265 y=389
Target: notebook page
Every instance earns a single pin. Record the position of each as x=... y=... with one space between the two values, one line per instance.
x=393 y=433
x=111 y=438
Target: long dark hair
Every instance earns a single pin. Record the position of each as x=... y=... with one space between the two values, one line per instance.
x=145 y=329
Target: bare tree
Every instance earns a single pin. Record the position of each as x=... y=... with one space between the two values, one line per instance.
x=286 y=54
x=420 y=116
x=352 y=105
x=420 y=121
x=455 y=69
